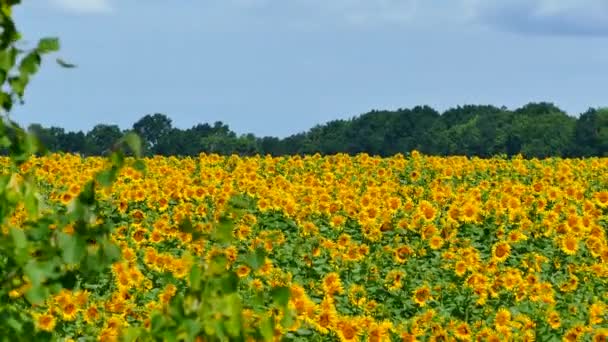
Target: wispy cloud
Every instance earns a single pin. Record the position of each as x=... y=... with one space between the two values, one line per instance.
x=84 y=6
x=365 y=12
x=543 y=17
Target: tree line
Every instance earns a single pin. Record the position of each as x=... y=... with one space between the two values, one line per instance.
x=534 y=130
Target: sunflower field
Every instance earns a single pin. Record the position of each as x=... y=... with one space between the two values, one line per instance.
x=328 y=248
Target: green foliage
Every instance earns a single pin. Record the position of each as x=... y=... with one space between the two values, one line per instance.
x=41 y=251
x=534 y=130
x=210 y=307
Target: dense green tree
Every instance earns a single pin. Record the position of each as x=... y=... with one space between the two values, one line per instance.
x=101 y=138
x=535 y=130
x=591 y=133
x=544 y=130
x=152 y=129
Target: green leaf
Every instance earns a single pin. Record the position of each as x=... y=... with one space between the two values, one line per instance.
x=68 y=280
x=192 y=328
x=65 y=64
x=223 y=230
x=19 y=238
x=15 y=324
x=288 y=318
x=196 y=274
x=37 y=294
x=35 y=273
x=30 y=63
x=186 y=226
x=18 y=84
x=257 y=258
x=118 y=159
x=111 y=251
x=218 y=264
x=73 y=248
x=140 y=166
x=106 y=177
x=280 y=295
x=31 y=203
x=47 y=45
x=266 y=328
x=132 y=334
x=87 y=195
x=134 y=142
x=8 y=58
x=230 y=282
x=157 y=323
x=303 y=332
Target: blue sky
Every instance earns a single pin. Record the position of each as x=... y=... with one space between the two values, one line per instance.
x=277 y=67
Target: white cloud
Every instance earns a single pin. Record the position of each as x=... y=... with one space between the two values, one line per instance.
x=84 y=6
x=547 y=17
x=361 y=12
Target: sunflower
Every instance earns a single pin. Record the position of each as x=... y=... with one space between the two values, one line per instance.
x=66 y=198
x=69 y=311
x=422 y=295
x=401 y=254
x=91 y=314
x=332 y=284
x=601 y=198
x=427 y=210
x=436 y=242
x=378 y=332
x=243 y=271
x=139 y=235
x=469 y=212
x=501 y=251
x=460 y=268
x=463 y=331
x=601 y=335
x=357 y=294
x=326 y=320
x=348 y=330
x=596 y=313
x=569 y=244
x=502 y=318
x=553 y=319
x=45 y=322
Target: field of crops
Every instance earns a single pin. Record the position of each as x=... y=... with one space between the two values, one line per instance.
x=401 y=248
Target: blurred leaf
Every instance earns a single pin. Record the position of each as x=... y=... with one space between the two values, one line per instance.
x=18 y=83
x=15 y=324
x=196 y=274
x=140 y=166
x=186 y=226
x=35 y=273
x=230 y=282
x=266 y=328
x=73 y=248
x=280 y=295
x=106 y=177
x=47 y=45
x=218 y=264
x=8 y=59
x=68 y=280
x=134 y=142
x=19 y=238
x=257 y=258
x=118 y=159
x=157 y=322
x=30 y=63
x=223 y=230
x=37 y=294
x=65 y=64
x=304 y=332
x=87 y=195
